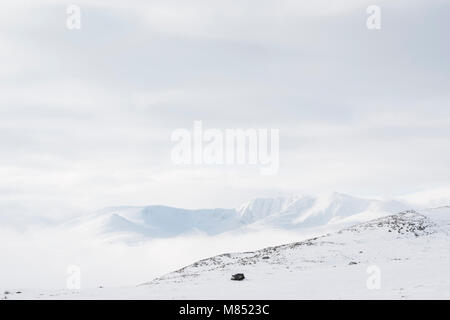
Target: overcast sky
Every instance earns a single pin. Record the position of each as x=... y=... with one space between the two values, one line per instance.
x=86 y=115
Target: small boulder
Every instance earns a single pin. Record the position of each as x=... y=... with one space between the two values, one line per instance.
x=238 y=277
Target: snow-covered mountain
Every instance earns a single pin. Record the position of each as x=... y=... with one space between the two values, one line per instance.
x=399 y=256
x=315 y=211
x=282 y=213
x=158 y=221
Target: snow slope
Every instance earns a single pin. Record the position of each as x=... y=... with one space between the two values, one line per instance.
x=408 y=252
x=411 y=250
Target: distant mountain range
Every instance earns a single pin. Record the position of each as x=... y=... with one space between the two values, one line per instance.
x=289 y=213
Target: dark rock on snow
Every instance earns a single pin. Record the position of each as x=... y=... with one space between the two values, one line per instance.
x=238 y=277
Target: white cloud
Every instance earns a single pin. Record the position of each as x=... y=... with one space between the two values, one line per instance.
x=86 y=117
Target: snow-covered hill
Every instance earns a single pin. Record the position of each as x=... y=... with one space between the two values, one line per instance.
x=410 y=250
x=280 y=213
x=400 y=256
